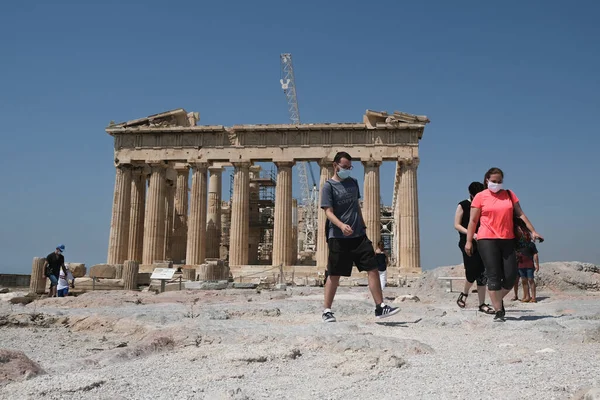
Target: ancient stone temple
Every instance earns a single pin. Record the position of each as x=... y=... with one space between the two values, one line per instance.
x=158 y=214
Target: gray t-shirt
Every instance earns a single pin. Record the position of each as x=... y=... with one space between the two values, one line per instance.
x=343 y=197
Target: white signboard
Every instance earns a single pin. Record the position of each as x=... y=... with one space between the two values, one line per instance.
x=163 y=273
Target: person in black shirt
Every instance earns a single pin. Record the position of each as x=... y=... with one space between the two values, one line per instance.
x=474 y=268
x=54 y=262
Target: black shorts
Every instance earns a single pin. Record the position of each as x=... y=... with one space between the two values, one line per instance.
x=345 y=252
x=474 y=268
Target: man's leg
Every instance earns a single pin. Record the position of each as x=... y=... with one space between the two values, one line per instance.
x=516 y=290
x=330 y=289
x=375 y=286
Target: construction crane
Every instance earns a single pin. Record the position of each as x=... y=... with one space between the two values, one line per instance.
x=309 y=197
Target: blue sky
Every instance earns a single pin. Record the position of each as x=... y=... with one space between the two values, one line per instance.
x=508 y=84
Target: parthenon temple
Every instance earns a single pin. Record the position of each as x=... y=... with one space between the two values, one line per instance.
x=158 y=215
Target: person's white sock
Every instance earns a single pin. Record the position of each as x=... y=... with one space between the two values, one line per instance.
x=382 y=305
x=326 y=310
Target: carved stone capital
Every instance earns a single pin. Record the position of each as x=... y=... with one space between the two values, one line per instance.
x=215 y=170
x=181 y=168
x=199 y=165
x=409 y=163
x=325 y=162
x=123 y=166
x=284 y=164
x=241 y=164
x=371 y=163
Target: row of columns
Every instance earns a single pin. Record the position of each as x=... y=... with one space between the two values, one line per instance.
x=153 y=224
x=162 y=215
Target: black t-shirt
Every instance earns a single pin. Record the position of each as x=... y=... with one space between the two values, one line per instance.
x=381 y=261
x=466 y=206
x=55 y=261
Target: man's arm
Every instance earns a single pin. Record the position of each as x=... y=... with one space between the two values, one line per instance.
x=346 y=229
x=536 y=261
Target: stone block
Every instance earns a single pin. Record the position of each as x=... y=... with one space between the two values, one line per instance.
x=207 y=285
x=162 y=264
x=86 y=284
x=281 y=286
x=108 y=271
x=143 y=278
x=241 y=285
x=77 y=269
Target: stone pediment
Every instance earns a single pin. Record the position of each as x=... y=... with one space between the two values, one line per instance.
x=172 y=118
x=381 y=119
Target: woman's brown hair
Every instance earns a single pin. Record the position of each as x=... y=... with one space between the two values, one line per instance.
x=491 y=172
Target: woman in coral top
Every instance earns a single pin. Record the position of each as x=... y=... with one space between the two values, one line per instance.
x=493 y=209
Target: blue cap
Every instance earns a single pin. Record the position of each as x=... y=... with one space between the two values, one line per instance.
x=61 y=247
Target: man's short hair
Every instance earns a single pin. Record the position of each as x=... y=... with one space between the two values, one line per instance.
x=341 y=154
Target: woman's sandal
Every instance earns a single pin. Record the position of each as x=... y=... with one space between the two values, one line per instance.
x=462 y=300
x=485 y=308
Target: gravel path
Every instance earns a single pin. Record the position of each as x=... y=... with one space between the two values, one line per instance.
x=240 y=344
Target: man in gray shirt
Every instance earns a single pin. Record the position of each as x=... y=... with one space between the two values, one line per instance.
x=346 y=237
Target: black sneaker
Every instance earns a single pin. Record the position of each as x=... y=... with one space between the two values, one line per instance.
x=499 y=317
x=328 y=317
x=385 y=311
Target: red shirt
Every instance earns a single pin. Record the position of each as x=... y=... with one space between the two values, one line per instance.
x=496 y=221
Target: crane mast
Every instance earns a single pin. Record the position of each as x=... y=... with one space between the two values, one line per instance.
x=309 y=198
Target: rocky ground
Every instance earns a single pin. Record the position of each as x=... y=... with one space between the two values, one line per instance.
x=246 y=344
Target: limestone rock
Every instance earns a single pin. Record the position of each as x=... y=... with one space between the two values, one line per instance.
x=242 y=285
x=77 y=269
x=103 y=271
x=214 y=285
x=4 y=290
x=16 y=366
x=592 y=394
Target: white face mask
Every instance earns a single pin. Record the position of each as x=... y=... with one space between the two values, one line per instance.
x=494 y=187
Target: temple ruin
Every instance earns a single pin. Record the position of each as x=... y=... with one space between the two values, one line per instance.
x=158 y=215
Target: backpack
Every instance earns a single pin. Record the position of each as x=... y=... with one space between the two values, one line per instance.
x=519 y=227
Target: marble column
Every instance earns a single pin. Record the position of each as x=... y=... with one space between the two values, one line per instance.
x=180 y=225
x=196 y=245
x=397 y=205
x=119 y=226
x=282 y=230
x=169 y=214
x=254 y=215
x=213 y=219
x=372 y=201
x=322 y=250
x=410 y=254
x=154 y=222
x=294 y=244
x=138 y=207
x=238 y=234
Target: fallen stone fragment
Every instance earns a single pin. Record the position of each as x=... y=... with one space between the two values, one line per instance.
x=16 y=366
x=546 y=350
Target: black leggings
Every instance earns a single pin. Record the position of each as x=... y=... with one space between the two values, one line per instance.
x=500 y=262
